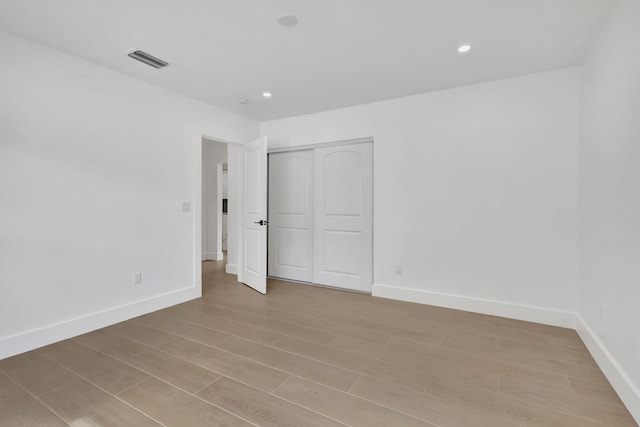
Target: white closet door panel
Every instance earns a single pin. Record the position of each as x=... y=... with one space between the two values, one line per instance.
x=341 y=252
x=293 y=248
x=342 y=170
x=343 y=216
x=291 y=215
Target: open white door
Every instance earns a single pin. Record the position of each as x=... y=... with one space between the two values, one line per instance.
x=254 y=216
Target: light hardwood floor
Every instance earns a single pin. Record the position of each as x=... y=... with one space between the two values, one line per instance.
x=309 y=356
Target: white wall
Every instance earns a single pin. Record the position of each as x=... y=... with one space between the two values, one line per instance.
x=214 y=154
x=94 y=167
x=475 y=192
x=234 y=223
x=610 y=202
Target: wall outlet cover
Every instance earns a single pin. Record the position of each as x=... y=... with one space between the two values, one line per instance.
x=137 y=278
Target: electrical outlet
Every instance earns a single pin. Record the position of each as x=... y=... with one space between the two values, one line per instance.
x=399 y=270
x=602 y=313
x=137 y=278
x=186 y=206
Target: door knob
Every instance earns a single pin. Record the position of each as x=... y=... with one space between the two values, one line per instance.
x=262 y=222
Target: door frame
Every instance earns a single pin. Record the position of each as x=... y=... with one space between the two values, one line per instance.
x=366 y=139
x=196 y=206
x=215 y=252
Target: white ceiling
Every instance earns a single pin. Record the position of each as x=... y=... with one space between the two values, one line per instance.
x=343 y=52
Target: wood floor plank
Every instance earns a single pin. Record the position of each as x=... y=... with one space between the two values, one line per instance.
x=538 y=338
x=261 y=408
x=363 y=314
x=278 y=326
x=346 y=329
x=255 y=374
x=524 y=346
x=140 y=333
x=100 y=369
x=431 y=332
x=547 y=330
x=371 y=319
x=356 y=346
x=19 y=408
x=538 y=360
x=259 y=303
x=36 y=373
x=231 y=327
x=502 y=406
x=609 y=415
x=169 y=368
x=422 y=406
x=183 y=329
x=541 y=355
x=397 y=346
x=356 y=363
x=323 y=373
x=491 y=324
x=81 y=403
x=174 y=407
x=429 y=365
x=176 y=312
x=341 y=406
x=595 y=392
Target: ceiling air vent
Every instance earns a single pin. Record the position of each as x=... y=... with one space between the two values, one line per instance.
x=148 y=59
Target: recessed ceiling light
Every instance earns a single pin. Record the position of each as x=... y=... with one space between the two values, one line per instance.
x=288 y=20
x=464 y=48
x=266 y=94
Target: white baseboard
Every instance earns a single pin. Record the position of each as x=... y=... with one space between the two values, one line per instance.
x=528 y=313
x=219 y=256
x=232 y=269
x=30 y=340
x=209 y=256
x=617 y=376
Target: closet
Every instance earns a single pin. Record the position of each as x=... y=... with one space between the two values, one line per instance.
x=321 y=215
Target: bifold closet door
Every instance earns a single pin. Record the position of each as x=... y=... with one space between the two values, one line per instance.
x=343 y=216
x=291 y=215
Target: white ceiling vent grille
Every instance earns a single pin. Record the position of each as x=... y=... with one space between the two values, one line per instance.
x=148 y=59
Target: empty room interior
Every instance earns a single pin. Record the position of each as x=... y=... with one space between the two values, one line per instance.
x=320 y=213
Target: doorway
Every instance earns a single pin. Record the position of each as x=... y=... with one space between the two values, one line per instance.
x=215 y=196
x=218 y=190
x=246 y=209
